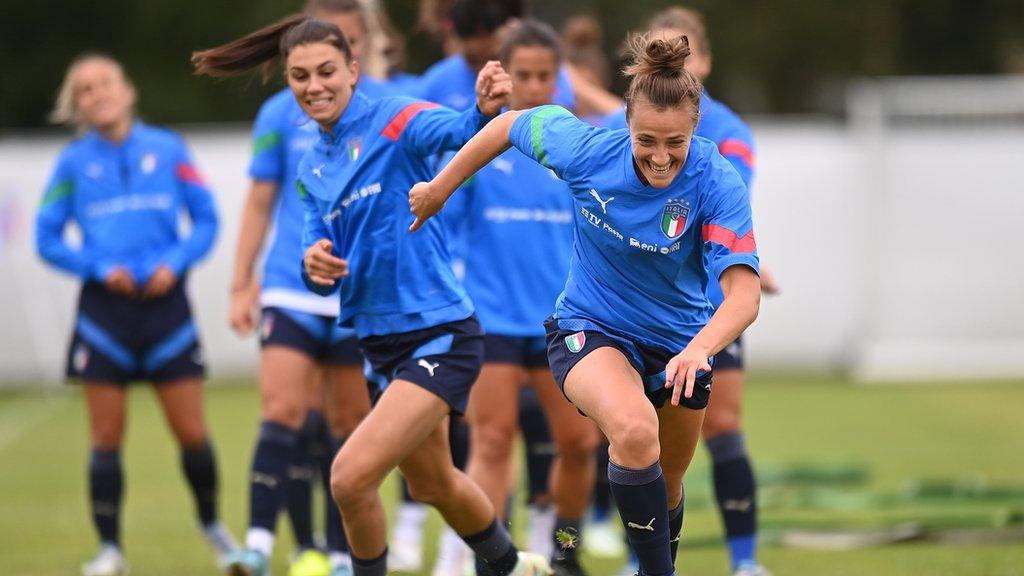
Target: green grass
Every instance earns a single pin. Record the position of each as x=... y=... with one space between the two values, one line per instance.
x=891 y=436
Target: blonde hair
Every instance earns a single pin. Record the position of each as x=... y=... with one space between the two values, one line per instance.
x=65 y=109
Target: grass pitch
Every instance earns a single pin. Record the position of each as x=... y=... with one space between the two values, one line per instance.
x=831 y=456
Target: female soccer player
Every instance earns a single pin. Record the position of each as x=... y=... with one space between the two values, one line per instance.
x=124 y=184
x=517 y=220
x=414 y=321
x=301 y=342
x=658 y=213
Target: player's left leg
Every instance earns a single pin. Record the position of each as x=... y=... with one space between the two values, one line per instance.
x=572 y=475
x=678 y=432
x=735 y=487
x=346 y=403
x=182 y=402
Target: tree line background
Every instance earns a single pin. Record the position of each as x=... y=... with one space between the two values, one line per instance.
x=771 y=56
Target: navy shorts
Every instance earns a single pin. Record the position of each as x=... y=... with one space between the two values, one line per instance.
x=443 y=359
x=119 y=339
x=731 y=357
x=526 y=351
x=318 y=337
x=567 y=347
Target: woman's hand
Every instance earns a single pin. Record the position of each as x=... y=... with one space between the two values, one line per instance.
x=323 y=267
x=120 y=281
x=493 y=86
x=681 y=372
x=769 y=285
x=425 y=200
x=242 y=314
x=160 y=283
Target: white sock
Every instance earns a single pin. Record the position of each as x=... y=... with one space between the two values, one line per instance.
x=260 y=540
x=541 y=523
x=409 y=522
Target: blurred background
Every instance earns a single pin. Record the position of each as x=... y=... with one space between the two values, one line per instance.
x=887 y=203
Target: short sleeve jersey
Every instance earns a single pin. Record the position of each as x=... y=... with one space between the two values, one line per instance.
x=398 y=282
x=642 y=256
x=516 y=225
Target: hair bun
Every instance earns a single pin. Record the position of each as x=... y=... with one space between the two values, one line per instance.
x=658 y=57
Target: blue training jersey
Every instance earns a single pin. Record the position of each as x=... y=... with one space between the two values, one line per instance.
x=127 y=199
x=281 y=136
x=452 y=83
x=397 y=282
x=735 y=142
x=514 y=218
x=642 y=256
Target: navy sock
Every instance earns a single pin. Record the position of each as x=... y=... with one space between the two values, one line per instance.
x=735 y=491
x=300 y=481
x=106 y=485
x=336 y=539
x=495 y=548
x=274 y=451
x=675 y=528
x=373 y=567
x=642 y=500
x=602 y=493
x=200 y=466
x=567 y=538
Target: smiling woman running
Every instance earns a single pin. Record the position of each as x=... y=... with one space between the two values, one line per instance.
x=656 y=211
x=415 y=324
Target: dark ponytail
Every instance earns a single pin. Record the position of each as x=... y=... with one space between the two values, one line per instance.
x=264 y=46
x=657 y=73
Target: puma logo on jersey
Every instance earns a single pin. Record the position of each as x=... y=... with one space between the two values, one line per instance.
x=430 y=367
x=603 y=203
x=316 y=171
x=742 y=506
x=649 y=526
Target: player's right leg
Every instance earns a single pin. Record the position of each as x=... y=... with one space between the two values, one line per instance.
x=493 y=423
x=602 y=383
x=106 y=406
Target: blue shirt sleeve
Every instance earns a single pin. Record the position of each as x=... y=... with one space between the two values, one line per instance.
x=201 y=211
x=426 y=128
x=728 y=229
x=314 y=231
x=268 y=150
x=555 y=138
x=738 y=148
x=55 y=210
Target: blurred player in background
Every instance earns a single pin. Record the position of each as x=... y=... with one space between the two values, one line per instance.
x=517 y=224
x=660 y=212
x=124 y=184
x=416 y=326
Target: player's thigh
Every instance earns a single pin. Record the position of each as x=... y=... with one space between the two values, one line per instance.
x=679 y=430
x=182 y=402
x=285 y=376
x=105 y=402
x=606 y=387
x=429 y=468
x=724 y=412
x=571 y=431
x=493 y=407
x=346 y=397
x=405 y=415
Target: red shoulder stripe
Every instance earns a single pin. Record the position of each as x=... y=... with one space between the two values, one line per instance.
x=394 y=128
x=725 y=237
x=736 y=147
x=188 y=174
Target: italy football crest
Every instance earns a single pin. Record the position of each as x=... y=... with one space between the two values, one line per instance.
x=575 y=342
x=673 y=219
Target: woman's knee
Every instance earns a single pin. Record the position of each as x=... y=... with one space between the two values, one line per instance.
x=491 y=441
x=578 y=442
x=349 y=483
x=719 y=421
x=283 y=407
x=633 y=440
x=431 y=490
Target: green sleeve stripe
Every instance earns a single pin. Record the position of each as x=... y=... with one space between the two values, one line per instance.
x=266 y=142
x=301 y=188
x=58 y=192
x=537 y=132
